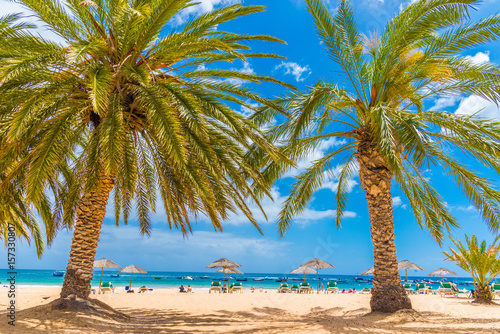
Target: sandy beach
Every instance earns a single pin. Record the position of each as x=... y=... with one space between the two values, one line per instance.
x=167 y=311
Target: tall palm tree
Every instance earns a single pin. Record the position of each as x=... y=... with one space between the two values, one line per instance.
x=388 y=134
x=131 y=104
x=481 y=261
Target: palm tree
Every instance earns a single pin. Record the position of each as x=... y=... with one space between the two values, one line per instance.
x=129 y=103
x=481 y=261
x=380 y=115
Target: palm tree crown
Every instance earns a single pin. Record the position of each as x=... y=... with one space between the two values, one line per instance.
x=126 y=98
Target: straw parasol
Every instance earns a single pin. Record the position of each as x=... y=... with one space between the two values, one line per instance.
x=317 y=264
x=304 y=270
x=441 y=272
x=229 y=271
x=369 y=271
x=405 y=264
x=132 y=269
x=104 y=263
x=224 y=264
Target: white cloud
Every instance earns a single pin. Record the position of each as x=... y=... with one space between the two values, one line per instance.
x=203 y=6
x=479 y=58
x=396 y=201
x=299 y=72
x=482 y=108
x=444 y=102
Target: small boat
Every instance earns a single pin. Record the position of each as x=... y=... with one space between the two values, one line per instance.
x=282 y=279
x=58 y=273
x=296 y=279
x=179 y=277
x=258 y=279
x=115 y=275
x=241 y=279
x=189 y=278
x=204 y=277
x=157 y=277
x=343 y=281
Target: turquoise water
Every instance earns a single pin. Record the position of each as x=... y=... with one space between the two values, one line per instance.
x=170 y=279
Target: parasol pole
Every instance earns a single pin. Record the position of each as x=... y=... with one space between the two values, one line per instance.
x=317 y=279
x=442 y=277
x=130 y=286
x=228 y=281
x=100 y=281
x=406 y=271
x=304 y=276
x=223 y=276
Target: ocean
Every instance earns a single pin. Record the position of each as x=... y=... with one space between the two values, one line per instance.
x=164 y=279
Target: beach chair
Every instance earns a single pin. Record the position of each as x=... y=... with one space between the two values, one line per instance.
x=366 y=290
x=445 y=289
x=304 y=287
x=284 y=287
x=143 y=289
x=409 y=290
x=457 y=292
x=236 y=287
x=216 y=286
x=92 y=290
x=421 y=288
x=107 y=286
x=332 y=286
x=294 y=288
x=495 y=289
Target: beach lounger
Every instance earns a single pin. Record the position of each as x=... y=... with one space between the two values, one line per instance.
x=284 y=287
x=445 y=289
x=495 y=289
x=366 y=290
x=457 y=292
x=107 y=286
x=304 y=287
x=143 y=289
x=408 y=288
x=216 y=286
x=295 y=288
x=236 y=287
x=331 y=286
x=421 y=288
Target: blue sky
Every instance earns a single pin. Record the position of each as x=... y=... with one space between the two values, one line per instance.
x=314 y=234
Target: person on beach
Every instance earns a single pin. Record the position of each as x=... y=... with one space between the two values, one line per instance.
x=343 y=291
x=252 y=289
x=181 y=288
x=189 y=289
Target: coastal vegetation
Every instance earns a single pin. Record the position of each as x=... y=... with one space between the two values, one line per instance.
x=131 y=107
x=126 y=103
x=387 y=131
x=481 y=261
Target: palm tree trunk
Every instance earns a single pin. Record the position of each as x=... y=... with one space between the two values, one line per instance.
x=90 y=214
x=388 y=295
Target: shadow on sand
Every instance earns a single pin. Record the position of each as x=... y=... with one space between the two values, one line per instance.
x=97 y=317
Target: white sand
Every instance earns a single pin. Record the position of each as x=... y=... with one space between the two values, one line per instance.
x=167 y=311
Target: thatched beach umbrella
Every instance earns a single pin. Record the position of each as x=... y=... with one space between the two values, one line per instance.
x=104 y=263
x=229 y=271
x=369 y=271
x=405 y=264
x=441 y=272
x=304 y=270
x=132 y=269
x=317 y=264
x=224 y=264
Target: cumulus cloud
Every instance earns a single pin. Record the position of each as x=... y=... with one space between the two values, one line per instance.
x=299 y=72
x=482 y=108
x=479 y=58
x=444 y=102
x=203 y=6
